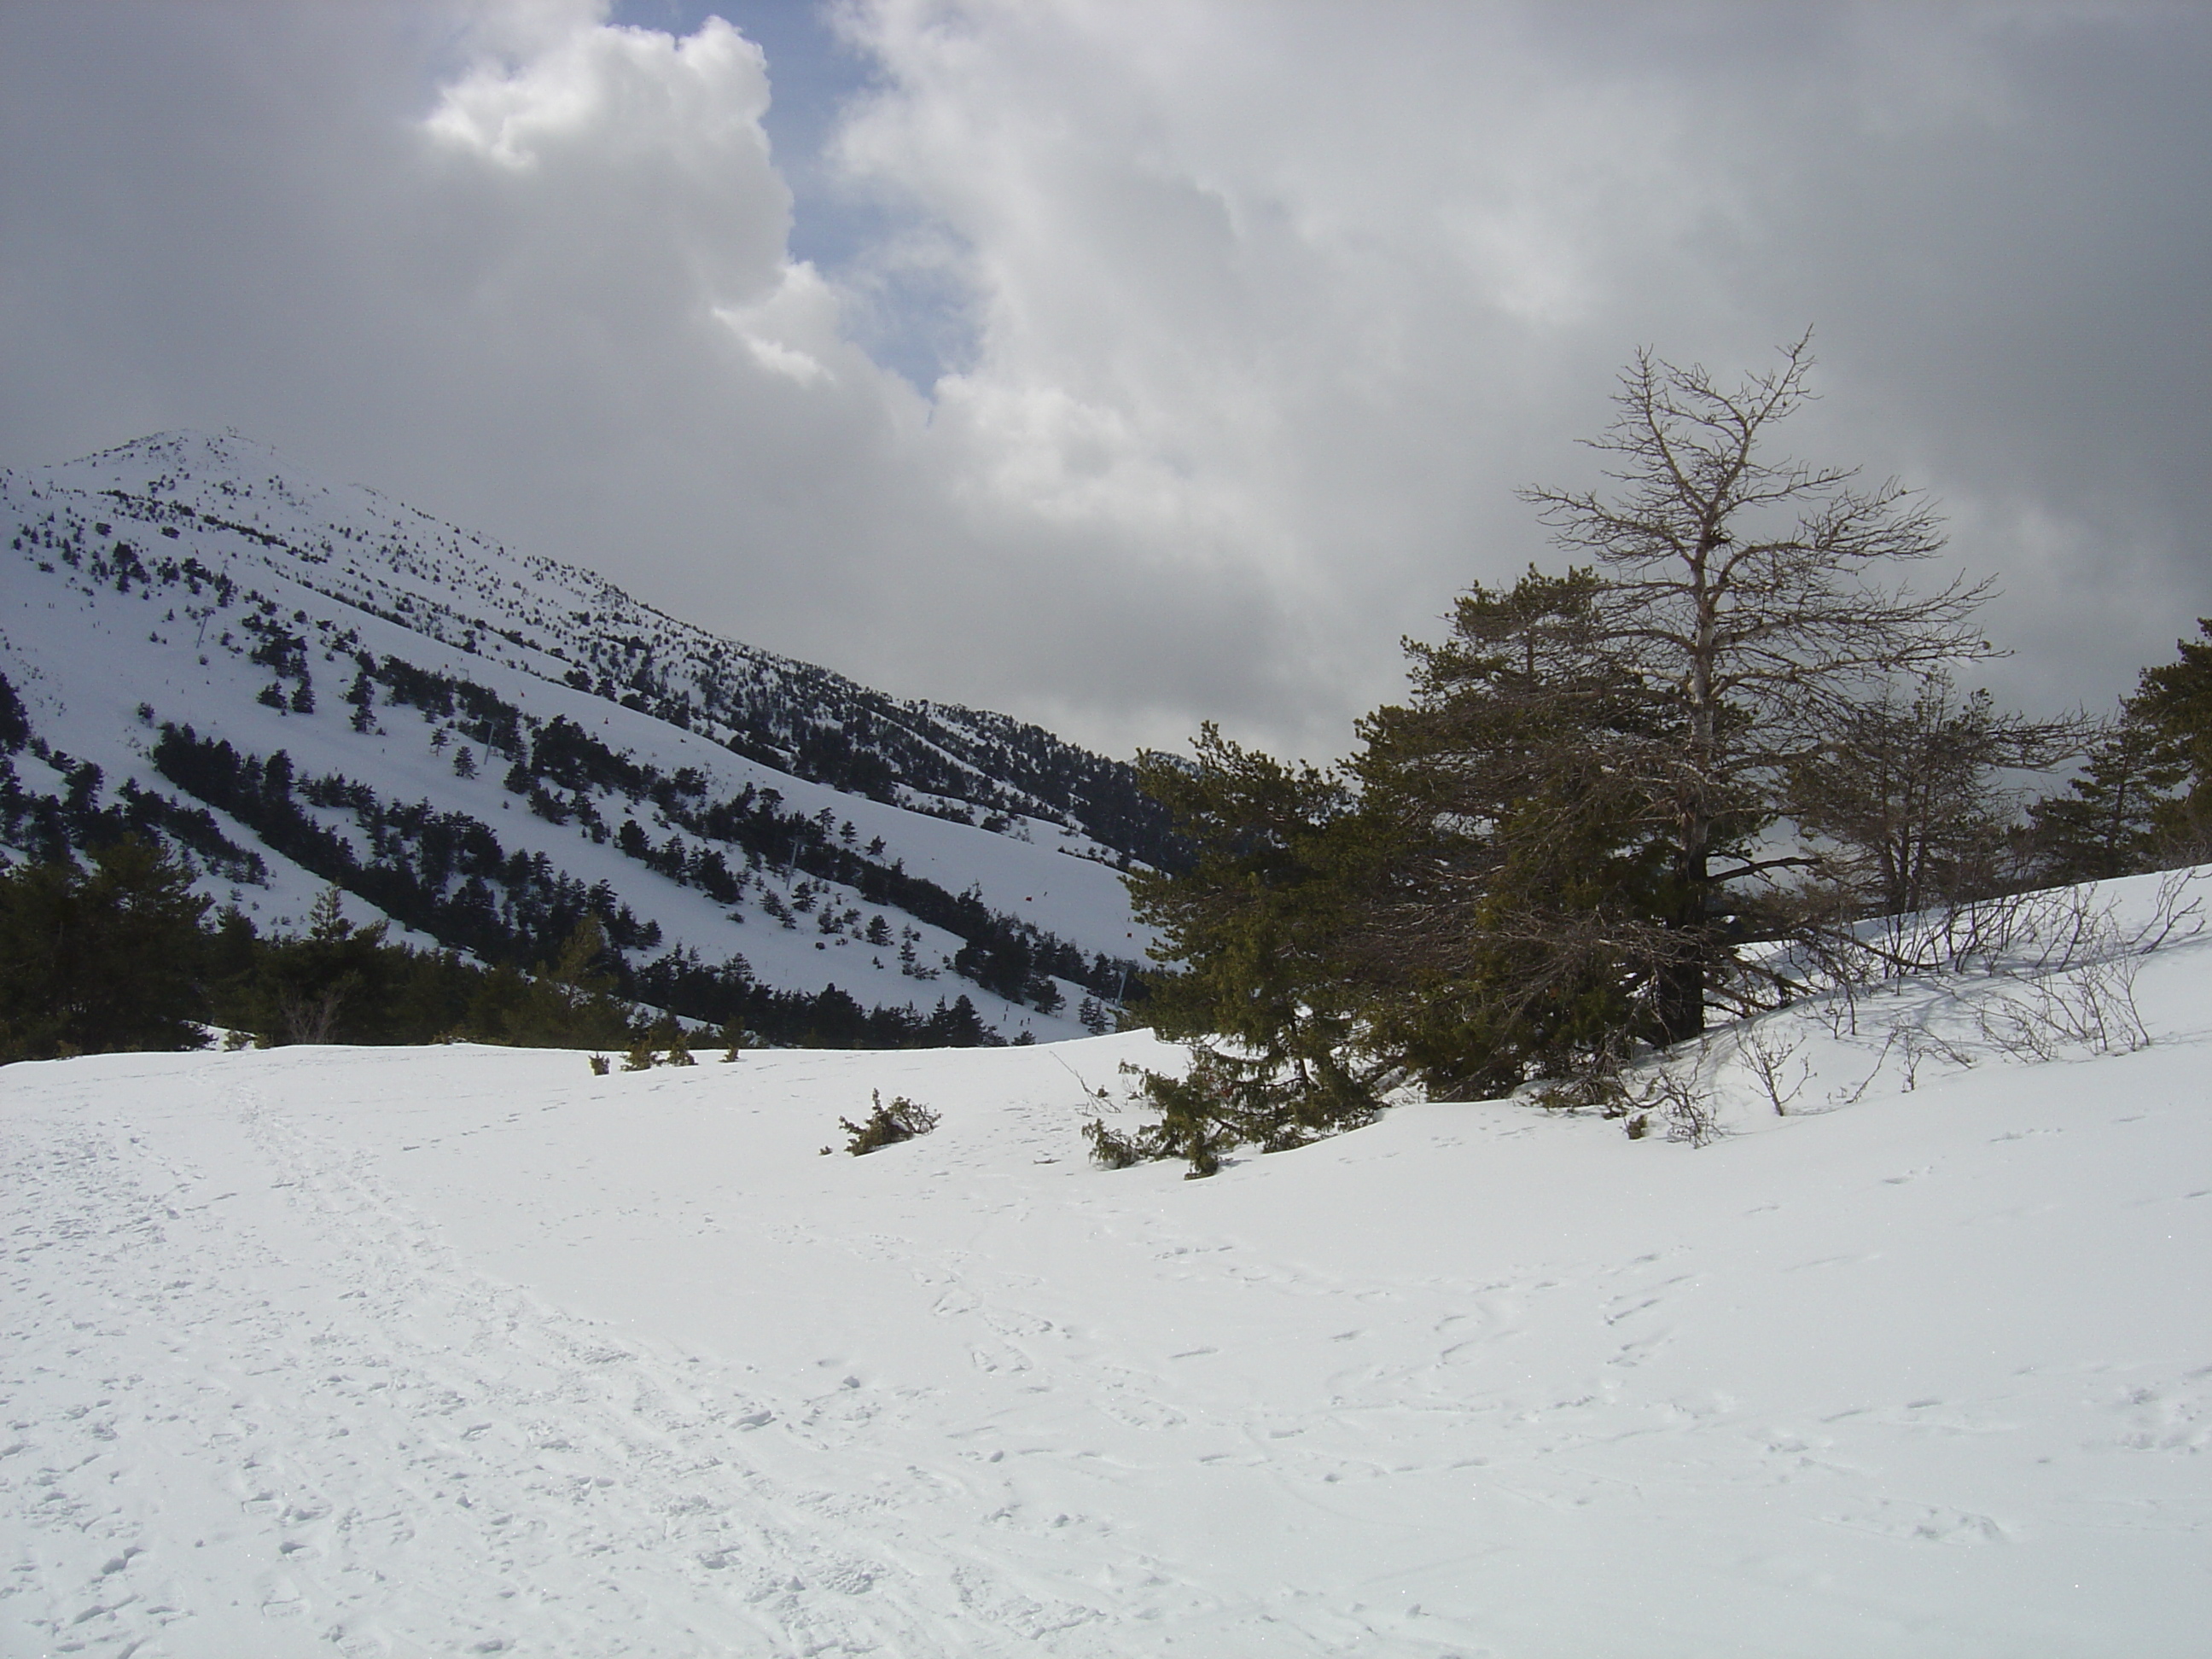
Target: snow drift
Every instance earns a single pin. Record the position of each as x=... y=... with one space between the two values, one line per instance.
x=466 y=1350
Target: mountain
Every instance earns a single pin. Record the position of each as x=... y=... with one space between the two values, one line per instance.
x=298 y=684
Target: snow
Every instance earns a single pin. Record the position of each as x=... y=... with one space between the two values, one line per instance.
x=355 y=1351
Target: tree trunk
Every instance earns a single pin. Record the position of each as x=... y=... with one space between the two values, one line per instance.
x=1680 y=982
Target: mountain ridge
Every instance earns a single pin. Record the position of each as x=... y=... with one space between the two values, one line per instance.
x=184 y=597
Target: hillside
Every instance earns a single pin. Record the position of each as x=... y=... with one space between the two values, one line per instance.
x=320 y=1351
x=298 y=684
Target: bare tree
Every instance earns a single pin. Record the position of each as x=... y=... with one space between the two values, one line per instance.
x=1906 y=791
x=1747 y=594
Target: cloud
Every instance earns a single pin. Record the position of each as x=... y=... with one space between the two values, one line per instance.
x=1257 y=313
x=1337 y=280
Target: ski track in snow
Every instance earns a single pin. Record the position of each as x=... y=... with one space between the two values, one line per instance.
x=354 y=1439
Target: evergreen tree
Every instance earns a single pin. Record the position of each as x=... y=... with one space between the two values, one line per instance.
x=1512 y=890
x=1257 y=922
x=101 y=959
x=335 y=983
x=567 y=1002
x=1552 y=851
x=15 y=722
x=735 y=1038
x=2107 y=822
x=2176 y=701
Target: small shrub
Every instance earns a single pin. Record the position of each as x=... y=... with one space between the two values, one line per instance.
x=640 y=1057
x=1224 y=1101
x=600 y=1064
x=735 y=1035
x=1598 y=1089
x=1109 y=1150
x=1639 y=1101
x=1768 y=1059
x=887 y=1126
x=1689 y=1115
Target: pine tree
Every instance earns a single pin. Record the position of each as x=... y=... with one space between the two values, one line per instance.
x=1553 y=850
x=1512 y=898
x=1256 y=922
x=735 y=1038
x=103 y=959
x=2176 y=701
x=335 y=983
x=2107 y=822
x=567 y=1002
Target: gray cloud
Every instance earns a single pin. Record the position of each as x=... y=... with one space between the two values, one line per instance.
x=1263 y=310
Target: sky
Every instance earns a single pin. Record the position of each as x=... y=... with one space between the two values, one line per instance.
x=1123 y=364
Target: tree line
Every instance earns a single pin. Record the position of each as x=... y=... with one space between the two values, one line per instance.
x=557 y=766
x=116 y=951
x=104 y=947
x=1727 y=720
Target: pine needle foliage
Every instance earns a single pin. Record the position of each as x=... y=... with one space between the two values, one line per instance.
x=2112 y=819
x=902 y=1120
x=2175 y=700
x=101 y=959
x=1264 y=991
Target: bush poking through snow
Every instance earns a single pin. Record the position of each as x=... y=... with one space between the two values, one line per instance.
x=887 y=1126
x=2028 y=937
x=1688 y=1114
x=1227 y=1100
x=1768 y=1060
x=1597 y=1089
x=1643 y=1100
x=736 y=1036
x=2092 y=1010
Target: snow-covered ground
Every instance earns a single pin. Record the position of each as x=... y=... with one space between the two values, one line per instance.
x=467 y=1351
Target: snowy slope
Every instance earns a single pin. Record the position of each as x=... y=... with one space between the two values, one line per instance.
x=195 y=582
x=462 y=1350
